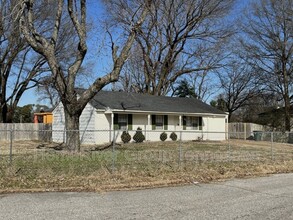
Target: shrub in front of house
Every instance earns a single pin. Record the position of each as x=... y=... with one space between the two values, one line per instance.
x=138 y=137
x=125 y=137
x=173 y=136
x=163 y=136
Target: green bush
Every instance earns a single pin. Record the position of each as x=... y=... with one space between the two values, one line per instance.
x=173 y=136
x=125 y=137
x=138 y=137
x=163 y=136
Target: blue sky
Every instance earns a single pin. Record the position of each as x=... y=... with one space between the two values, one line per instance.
x=97 y=56
x=95 y=12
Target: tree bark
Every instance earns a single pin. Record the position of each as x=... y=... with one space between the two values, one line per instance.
x=72 y=131
x=65 y=78
x=3 y=113
x=286 y=100
x=287 y=115
x=269 y=45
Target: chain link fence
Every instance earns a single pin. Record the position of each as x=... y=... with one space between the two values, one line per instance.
x=134 y=149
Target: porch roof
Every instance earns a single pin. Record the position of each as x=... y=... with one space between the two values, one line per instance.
x=124 y=101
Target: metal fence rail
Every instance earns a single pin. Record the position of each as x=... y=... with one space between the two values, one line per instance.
x=156 y=147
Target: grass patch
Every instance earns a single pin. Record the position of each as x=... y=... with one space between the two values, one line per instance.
x=133 y=166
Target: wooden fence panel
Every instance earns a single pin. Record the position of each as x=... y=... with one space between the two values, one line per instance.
x=243 y=130
x=25 y=131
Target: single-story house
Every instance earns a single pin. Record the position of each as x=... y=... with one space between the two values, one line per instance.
x=109 y=113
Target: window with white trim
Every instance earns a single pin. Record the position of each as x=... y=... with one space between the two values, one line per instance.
x=159 y=122
x=192 y=123
x=122 y=121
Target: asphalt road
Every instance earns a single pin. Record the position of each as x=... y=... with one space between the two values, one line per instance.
x=257 y=198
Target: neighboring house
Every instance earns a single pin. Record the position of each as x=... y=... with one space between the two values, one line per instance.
x=109 y=113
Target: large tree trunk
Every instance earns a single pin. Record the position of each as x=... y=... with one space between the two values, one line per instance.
x=72 y=131
x=65 y=78
x=287 y=114
x=9 y=115
x=286 y=93
x=230 y=115
x=3 y=116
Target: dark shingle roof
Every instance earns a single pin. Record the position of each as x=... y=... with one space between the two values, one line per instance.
x=150 y=103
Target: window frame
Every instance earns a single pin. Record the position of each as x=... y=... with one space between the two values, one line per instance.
x=191 y=121
x=159 y=126
x=122 y=125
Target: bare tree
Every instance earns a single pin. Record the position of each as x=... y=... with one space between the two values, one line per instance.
x=65 y=79
x=268 y=41
x=10 y=47
x=202 y=84
x=20 y=67
x=46 y=91
x=258 y=105
x=238 y=85
x=131 y=78
x=177 y=36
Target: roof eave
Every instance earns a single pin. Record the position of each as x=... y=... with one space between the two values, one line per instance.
x=107 y=111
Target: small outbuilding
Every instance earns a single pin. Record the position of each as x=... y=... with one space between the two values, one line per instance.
x=109 y=113
x=43 y=117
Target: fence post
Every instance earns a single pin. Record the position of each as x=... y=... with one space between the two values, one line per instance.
x=245 y=131
x=10 y=147
x=272 y=141
x=229 y=147
x=113 y=151
x=180 y=149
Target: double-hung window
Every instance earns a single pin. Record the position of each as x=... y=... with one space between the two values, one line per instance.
x=192 y=123
x=122 y=121
x=159 y=122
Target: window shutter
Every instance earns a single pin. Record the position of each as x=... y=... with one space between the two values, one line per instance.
x=184 y=122
x=200 y=123
x=116 y=126
x=129 y=122
x=165 y=122
x=153 y=122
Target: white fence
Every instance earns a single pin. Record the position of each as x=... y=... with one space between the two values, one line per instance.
x=243 y=130
x=25 y=131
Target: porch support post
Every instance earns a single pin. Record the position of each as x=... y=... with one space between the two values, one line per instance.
x=180 y=122
x=149 y=122
x=208 y=129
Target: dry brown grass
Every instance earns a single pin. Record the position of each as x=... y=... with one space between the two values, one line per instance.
x=236 y=144
x=47 y=170
x=123 y=179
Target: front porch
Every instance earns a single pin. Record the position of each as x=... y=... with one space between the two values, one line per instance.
x=155 y=122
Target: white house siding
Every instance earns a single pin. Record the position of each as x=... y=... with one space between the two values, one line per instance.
x=95 y=127
x=173 y=122
x=103 y=126
x=86 y=125
x=139 y=121
x=215 y=128
x=58 y=124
